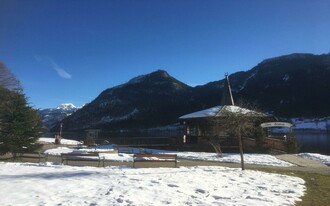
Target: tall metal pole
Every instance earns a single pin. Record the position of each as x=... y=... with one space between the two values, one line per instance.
x=61 y=125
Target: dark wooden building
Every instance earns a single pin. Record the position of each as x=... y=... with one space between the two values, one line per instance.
x=202 y=126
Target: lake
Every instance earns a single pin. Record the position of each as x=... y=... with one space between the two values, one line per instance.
x=314 y=141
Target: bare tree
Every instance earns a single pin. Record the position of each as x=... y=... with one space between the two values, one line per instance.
x=8 y=79
x=233 y=122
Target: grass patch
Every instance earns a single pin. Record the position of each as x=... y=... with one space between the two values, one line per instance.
x=317 y=186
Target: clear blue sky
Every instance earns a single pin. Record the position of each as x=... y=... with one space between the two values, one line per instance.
x=71 y=50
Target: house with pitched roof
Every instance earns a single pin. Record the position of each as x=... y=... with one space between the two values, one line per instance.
x=202 y=125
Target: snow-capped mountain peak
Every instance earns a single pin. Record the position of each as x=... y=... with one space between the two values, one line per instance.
x=67 y=106
x=51 y=116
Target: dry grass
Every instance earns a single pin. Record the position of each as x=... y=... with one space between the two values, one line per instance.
x=318 y=187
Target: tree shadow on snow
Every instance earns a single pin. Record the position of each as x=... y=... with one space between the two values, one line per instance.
x=48 y=175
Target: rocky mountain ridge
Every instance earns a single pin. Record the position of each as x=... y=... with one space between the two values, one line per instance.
x=293 y=85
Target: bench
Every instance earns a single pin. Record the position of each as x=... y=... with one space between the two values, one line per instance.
x=80 y=157
x=34 y=155
x=124 y=149
x=160 y=158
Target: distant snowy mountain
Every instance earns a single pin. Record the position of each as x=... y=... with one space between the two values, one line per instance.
x=311 y=123
x=67 y=106
x=50 y=117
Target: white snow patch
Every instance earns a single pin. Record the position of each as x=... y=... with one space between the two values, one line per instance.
x=63 y=141
x=255 y=159
x=325 y=159
x=33 y=184
x=203 y=113
x=236 y=109
x=59 y=150
x=219 y=111
x=104 y=153
x=67 y=106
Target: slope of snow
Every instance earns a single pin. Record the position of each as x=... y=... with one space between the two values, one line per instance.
x=33 y=184
x=203 y=113
x=319 y=157
x=63 y=141
x=239 y=110
x=219 y=111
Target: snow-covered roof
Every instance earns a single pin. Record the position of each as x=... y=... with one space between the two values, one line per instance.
x=220 y=111
x=211 y=112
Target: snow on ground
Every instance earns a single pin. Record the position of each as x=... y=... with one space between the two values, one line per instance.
x=257 y=159
x=325 y=159
x=120 y=157
x=63 y=141
x=59 y=150
x=47 y=184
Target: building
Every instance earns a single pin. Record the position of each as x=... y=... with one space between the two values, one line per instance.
x=205 y=125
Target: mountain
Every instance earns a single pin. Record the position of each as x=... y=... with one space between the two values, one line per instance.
x=293 y=85
x=289 y=86
x=50 y=117
x=148 y=100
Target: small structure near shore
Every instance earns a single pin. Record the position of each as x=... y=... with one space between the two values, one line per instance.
x=58 y=139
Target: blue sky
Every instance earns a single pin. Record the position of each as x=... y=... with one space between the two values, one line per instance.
x=71 y=50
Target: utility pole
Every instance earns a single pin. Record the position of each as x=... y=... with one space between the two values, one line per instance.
x=61 y=125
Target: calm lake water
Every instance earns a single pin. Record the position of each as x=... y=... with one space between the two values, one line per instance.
x=314 y=141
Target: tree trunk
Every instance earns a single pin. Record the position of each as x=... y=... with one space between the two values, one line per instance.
x=216 y=147
x=241 y=149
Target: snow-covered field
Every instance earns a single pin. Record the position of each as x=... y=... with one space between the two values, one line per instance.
x=319 y=157
x=47 y=184
x=257 y=159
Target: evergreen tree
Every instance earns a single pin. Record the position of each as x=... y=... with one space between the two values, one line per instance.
x=19 y=124
x=291 y=144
